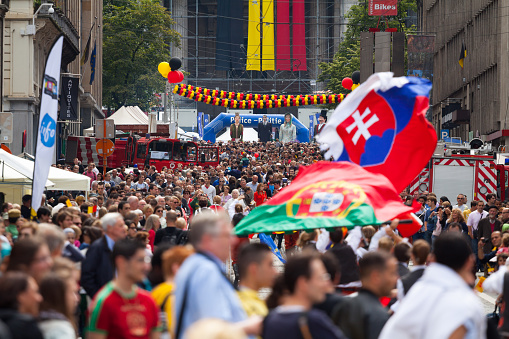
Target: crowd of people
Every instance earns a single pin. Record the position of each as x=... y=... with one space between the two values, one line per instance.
x=146 y=254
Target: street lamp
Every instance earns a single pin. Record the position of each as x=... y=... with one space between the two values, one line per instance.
x=30 y=30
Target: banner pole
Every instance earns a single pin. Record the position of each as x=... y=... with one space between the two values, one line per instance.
x=104 y=149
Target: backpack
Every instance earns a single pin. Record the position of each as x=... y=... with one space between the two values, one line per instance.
x=170 y=238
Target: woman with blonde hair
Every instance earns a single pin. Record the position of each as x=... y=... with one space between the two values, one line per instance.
x=151 y=226
x=307 y=240
x=457 y=216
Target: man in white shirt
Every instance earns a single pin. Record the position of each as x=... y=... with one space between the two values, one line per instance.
x=230 y=204
x=461 y=202
x=208 y=189
x=473 y=222
x=443 y=296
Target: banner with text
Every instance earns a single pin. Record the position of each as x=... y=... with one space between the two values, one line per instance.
x=46 y=136
x=383 y=7
x=69 y=99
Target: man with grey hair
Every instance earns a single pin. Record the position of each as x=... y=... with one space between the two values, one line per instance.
x=204 y=288
x=58 y=244
x=97 y=269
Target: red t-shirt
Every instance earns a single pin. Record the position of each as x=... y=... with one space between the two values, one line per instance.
x=259 y=198
x=133 y=316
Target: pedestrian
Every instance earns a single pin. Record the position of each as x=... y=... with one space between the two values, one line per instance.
x=31 y=256
x=164 y=293
x=363 y=316
x=419 y=256
x=121 y=309
x=488 y=225
x=443 y=297
x=60 y=299
x=203 y=289
x=152 y=225
x=97 y=269
x=256 y=270
x=306 y=280
x=19 y=305
x=348 y=259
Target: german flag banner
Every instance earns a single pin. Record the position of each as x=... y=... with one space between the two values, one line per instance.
x=251 y=101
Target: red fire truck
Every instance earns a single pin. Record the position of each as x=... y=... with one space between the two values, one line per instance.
x=156 y=151
x=459 y=169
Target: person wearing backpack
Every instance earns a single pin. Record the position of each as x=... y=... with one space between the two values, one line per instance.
x=170 y=234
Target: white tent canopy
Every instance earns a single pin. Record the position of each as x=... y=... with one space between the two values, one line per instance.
x=58 y=179
x=16 y=177
x=130 y=115
x=250 y=134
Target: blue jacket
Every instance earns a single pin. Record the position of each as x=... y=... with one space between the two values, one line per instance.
x=97 y=269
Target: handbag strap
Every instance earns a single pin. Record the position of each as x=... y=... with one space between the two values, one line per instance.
x=304 y=326
x=178 y=329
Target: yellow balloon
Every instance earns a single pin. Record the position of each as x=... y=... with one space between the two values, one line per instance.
x=164 y=69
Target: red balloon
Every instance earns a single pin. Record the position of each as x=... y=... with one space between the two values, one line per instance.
x=173 y=77
x=256 y=155
x=181 y=76
x=347 y=83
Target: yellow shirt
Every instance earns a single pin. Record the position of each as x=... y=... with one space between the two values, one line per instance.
x=160 y=293
x=251 y=303
x=466 y=213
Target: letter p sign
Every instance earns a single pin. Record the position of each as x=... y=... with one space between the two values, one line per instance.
x=444 y=134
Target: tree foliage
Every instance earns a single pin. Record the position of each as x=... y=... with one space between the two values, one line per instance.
x=137 y=37
x=347 y=59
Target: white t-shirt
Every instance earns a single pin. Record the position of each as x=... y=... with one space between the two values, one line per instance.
x=445 y=300
x=475 y=217
x=210 y=192
x=462 y=207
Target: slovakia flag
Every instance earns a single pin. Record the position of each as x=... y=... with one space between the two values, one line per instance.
x=382 y=127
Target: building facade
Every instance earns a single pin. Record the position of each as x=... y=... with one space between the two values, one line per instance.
x=472 y=101
x=24 y=57
x=197 y=22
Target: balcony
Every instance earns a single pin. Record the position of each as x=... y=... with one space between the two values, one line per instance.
x=63 y=25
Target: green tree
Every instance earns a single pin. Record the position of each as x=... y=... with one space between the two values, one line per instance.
x=137 y=37
x=347 y=59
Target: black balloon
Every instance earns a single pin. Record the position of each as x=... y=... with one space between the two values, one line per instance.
x=356 y=77
x=175 y=64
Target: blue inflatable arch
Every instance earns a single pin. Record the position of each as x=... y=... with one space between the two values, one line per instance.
x=224 y=120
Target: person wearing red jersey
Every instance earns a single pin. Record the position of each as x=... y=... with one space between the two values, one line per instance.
x=121 y=310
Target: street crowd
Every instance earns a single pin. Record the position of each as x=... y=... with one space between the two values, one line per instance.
x=150 y=254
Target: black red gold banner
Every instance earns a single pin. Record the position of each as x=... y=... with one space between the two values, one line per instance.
x=251 y=101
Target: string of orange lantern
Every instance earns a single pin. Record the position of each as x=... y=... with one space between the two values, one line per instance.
x=251 y=101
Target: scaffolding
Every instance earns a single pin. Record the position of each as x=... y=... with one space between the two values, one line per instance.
x=196 y=21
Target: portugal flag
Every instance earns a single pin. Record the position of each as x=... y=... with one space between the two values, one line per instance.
x=328 y=195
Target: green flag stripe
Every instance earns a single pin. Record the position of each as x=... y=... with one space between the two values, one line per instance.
x=273 y=218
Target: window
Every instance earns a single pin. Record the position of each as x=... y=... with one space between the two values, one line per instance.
x=208 y=154
x=141 y=151
x=160 y=150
